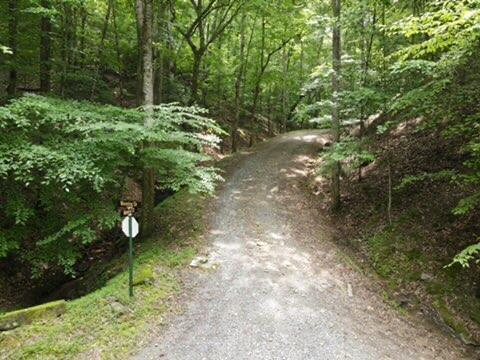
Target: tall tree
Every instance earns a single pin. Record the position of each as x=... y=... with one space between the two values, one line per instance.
x=45 y=48
x=211 y=19
x=144 y=14
x=101 y=48
x=265 y=59
x=160 y=54
x=12 y=43
x=336 y=65
x=239 y=82
x=285 y=84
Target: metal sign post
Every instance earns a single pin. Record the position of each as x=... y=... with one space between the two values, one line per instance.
x=130 y=229
x=130 y=257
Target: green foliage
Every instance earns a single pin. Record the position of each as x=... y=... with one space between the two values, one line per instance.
x=5 y=49
x=63 y=166
x=117 y=332
x=358 y=104
x=437 y=74
x=78 y=86
x=418 y=84
x=467 y=204
x=349 y=151
x=467 y=255
x=447 y=25
x=407 y=60
x=438 y=176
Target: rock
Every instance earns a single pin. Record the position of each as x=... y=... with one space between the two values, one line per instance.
x=426 y=277
x=17 y=318
x=199 y=260
x=204 y=262
x=195 y=263
x=118 y=308
x=349 y=290
x=144 y=276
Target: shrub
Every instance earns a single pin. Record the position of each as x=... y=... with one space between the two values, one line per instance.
x=63 y=165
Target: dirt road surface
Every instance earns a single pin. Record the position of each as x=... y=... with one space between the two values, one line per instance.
x=281 y=291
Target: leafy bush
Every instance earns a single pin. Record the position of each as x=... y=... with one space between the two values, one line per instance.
x=467 y=255
x=349 y=152
x=63 y=165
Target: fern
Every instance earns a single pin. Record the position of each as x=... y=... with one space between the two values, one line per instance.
x=467 y=255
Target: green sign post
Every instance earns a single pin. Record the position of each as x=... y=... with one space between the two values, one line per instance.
x=130 y=257
x=130 y=229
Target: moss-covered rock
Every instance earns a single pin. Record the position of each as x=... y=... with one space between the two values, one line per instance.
x=17 y=318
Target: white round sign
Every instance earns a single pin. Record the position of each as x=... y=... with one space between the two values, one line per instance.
x=125 y=227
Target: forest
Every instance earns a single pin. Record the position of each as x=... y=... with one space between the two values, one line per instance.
x=160 y=103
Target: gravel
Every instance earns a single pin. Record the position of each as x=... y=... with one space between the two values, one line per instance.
x=280 y=290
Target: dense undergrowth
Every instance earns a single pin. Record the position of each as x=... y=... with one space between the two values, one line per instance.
x=413 y=254
x=65 y=167
x=106 y=323
x=409 y=172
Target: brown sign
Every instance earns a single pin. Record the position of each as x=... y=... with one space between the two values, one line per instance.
x=128 y=207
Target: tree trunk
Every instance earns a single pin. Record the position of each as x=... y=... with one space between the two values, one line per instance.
x=285 y=97
x=336 y=63
x=147 y=45
x=45 y=50
x=12 y=43
x=83 y=35
x=161 y=67
x=366 y=53
x=218 y=74
x=238 y=85
x=364 y=69
x=148 y=201
x=257 y=89
x=72 y=44
x=119 y=55
x=67 y=25
x=101 y=47
x=197 y=63
x=145 y=23
x=384 y=59
x=302 y=60
x=169 y=60
x=139 y=16
x=389 y=203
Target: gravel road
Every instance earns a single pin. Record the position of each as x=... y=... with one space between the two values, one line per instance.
x=281 y=290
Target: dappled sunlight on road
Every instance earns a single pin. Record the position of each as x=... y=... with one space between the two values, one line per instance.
x=279 y=279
